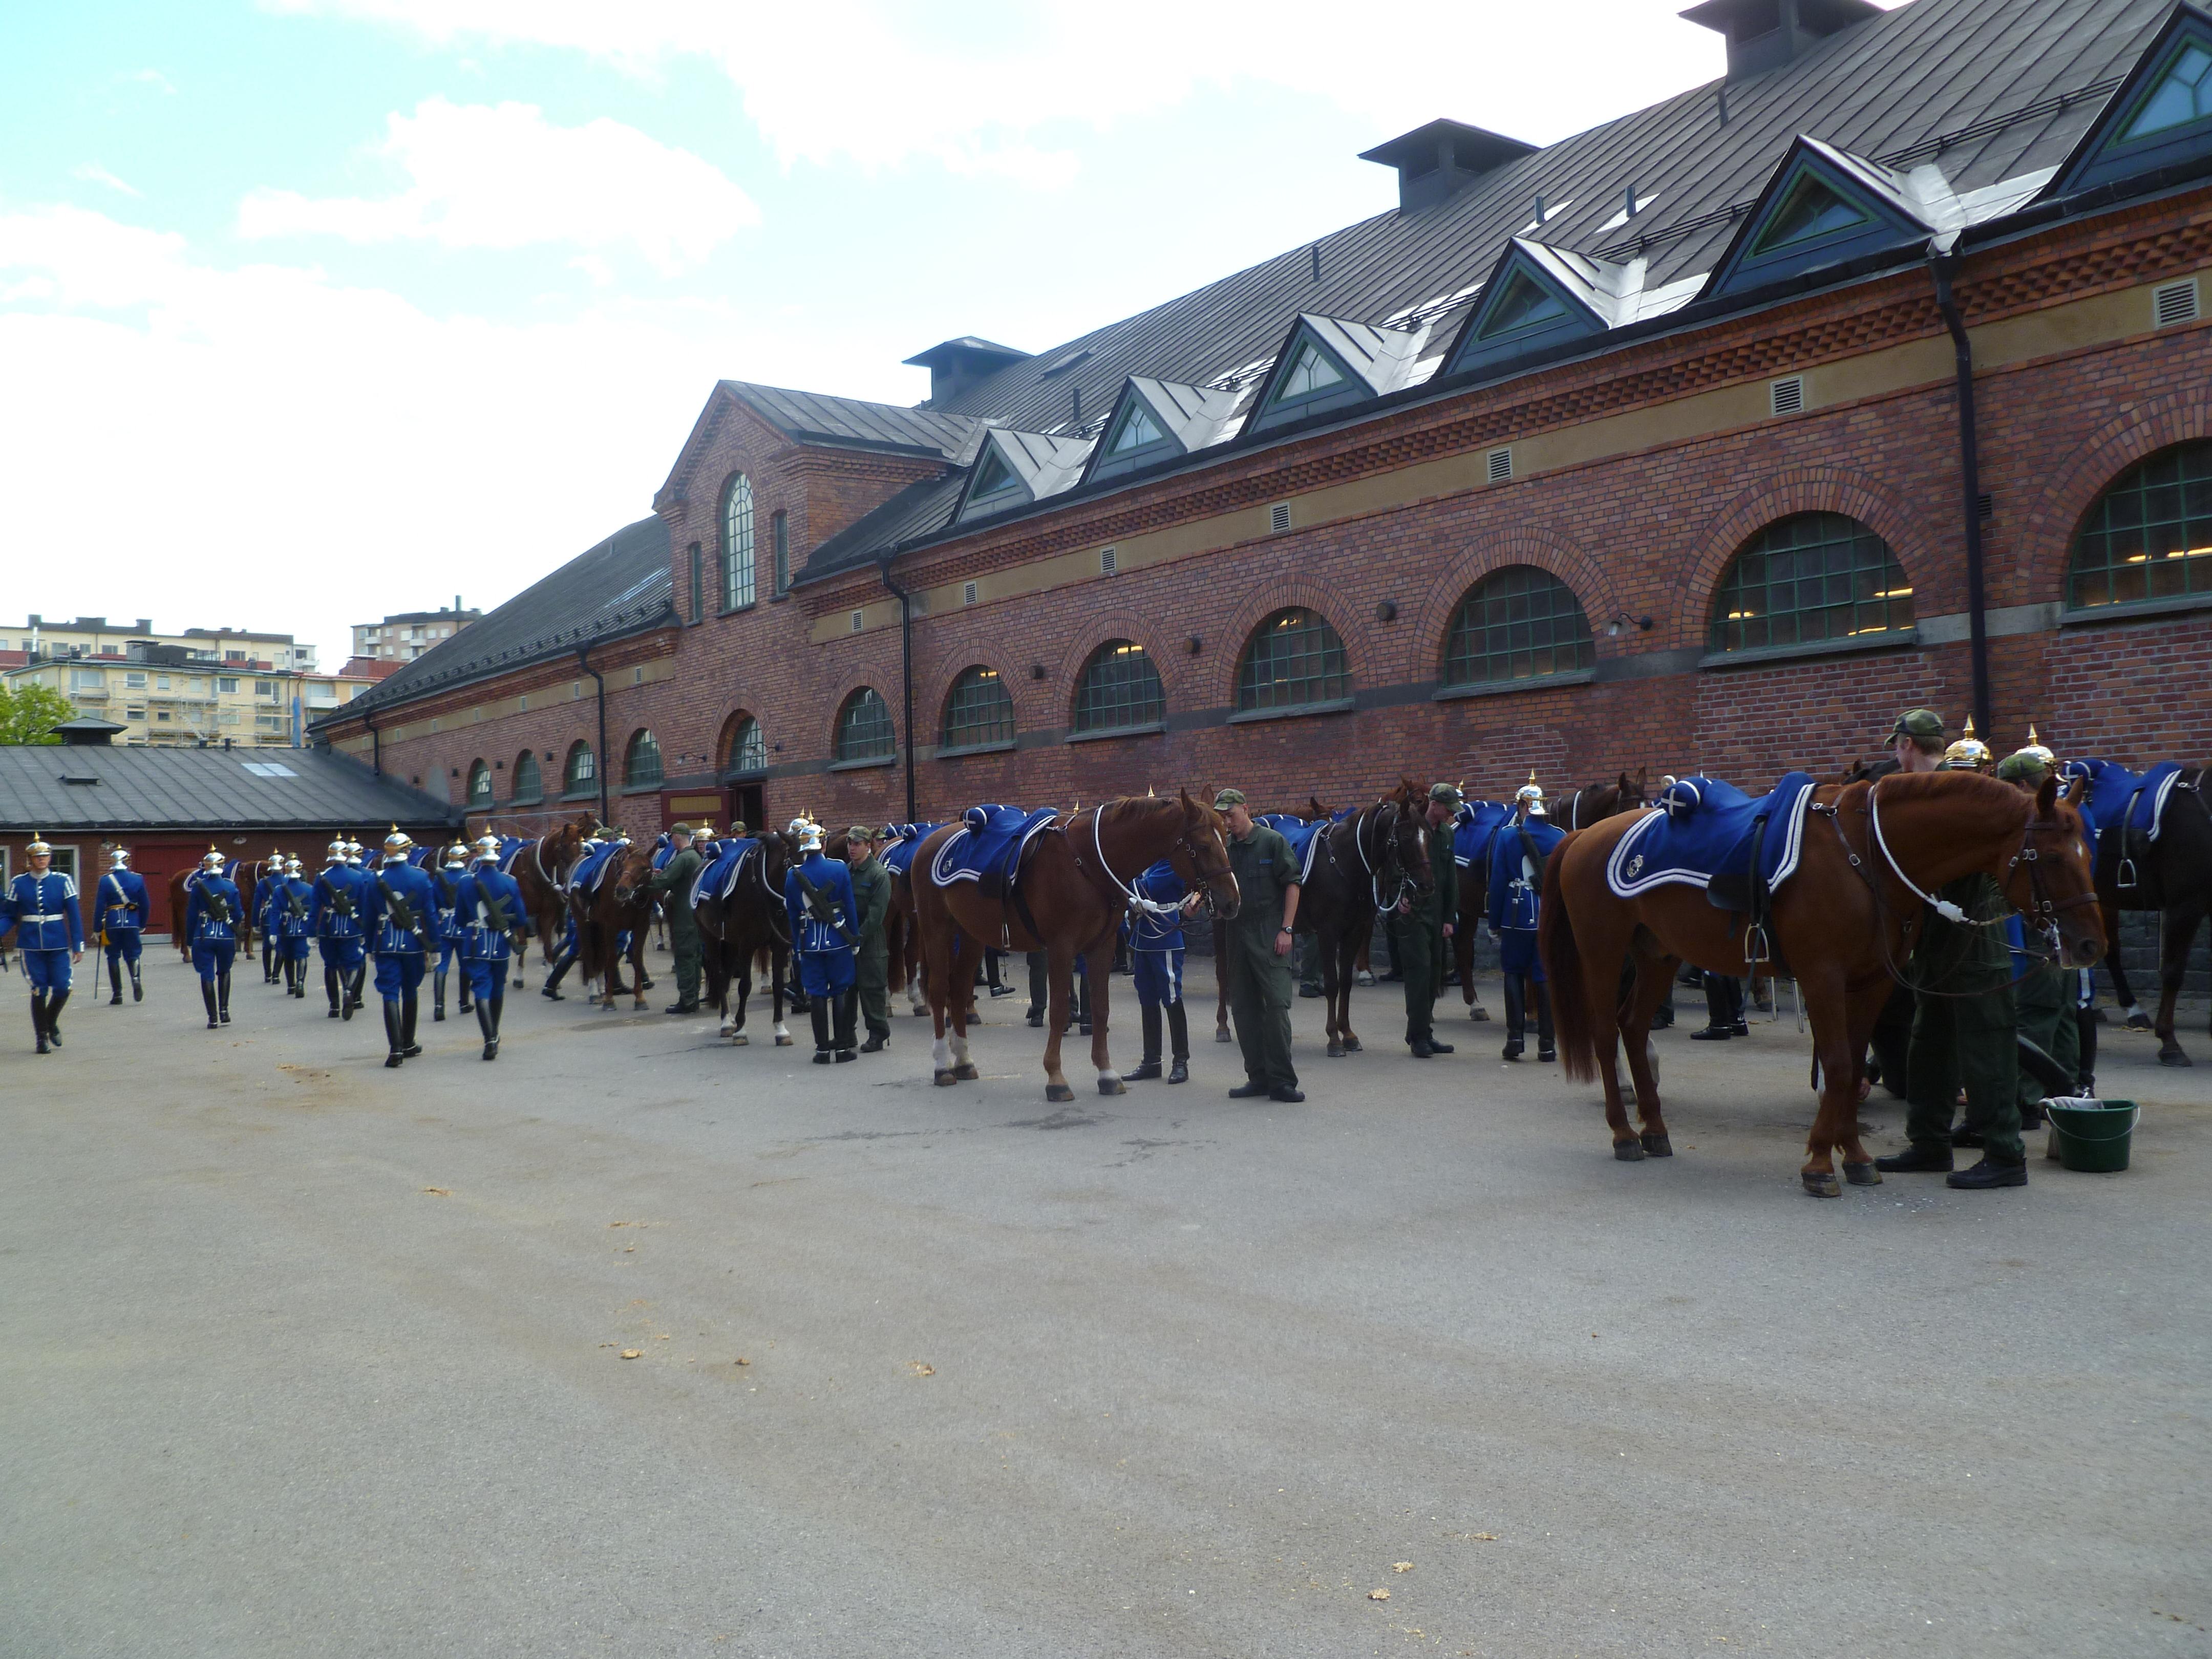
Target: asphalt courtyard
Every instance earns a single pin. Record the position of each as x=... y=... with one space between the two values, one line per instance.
x=635 y=1344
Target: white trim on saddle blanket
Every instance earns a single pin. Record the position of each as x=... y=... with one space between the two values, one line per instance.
x=597 y=875
x=746 y=850
x=1790 y=820
x=942 y=874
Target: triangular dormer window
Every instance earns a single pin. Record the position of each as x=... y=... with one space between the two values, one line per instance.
x=1310 y=375
x=1523 y=305
x=2183 y=94
x=2158 y=121
x=1138 y=430
x=992 y=475
x=1811 y=210
x=1823 y=209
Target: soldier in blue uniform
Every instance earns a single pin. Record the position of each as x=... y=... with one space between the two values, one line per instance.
x=121 y=908
x=1156 y=948
x=401 y=902
x=41 y=907
x=212 y=915
x=341 y=898
x=291 y=919
x=448 y=883
x=1516 y=878
x=267 y=894
x=818 y=893
x=564 y=955
x=492 y=914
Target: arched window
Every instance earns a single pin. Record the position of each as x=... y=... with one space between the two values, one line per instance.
x=1516 y=624
x=641 y=762
x=579 y=776
x=863 y=727
x=529 y=789
x=480 y=783
x=979 y=711
x=1801 y=580
x=1120 y=691
x=2149 y=536
x=748 y=748
x=1294 y=659
x=737 y=543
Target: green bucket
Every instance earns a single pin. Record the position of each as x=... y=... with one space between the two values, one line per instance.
x=2092 y=1136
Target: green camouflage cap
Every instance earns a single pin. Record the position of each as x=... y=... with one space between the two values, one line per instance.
x=1917 y=723
x=2024 y=767
x=860 y=832
x=1447 y=793
x=1227 y=798
x=679 y=828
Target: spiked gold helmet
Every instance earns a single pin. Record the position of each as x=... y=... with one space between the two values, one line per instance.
x=1969 y=753
x=396 y=843
x=2035 y=746
x=1530 y=797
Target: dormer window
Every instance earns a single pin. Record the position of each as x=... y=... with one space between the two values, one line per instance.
x=993 y=477
x=1137 y=431
x=1310 y=375
x=1813 y=209
x=2159 y=119
x=2182 y=95
x=1523 y=305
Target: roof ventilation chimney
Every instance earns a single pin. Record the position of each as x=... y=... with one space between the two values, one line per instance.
x=1436 y=161
x=955 y=364
x=1764 y=34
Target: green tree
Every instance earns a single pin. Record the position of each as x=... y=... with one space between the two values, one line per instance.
x=29 y=712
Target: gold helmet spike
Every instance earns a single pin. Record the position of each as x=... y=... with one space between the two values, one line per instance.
x=2038 y=748
x=39 y=848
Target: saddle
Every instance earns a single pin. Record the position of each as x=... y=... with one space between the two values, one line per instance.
x=1473 y=827
x=593 y=870
x=1304 y=838
x=989 y=847
x=1709 y=834
x=2128 y=809
x=903 y=841
x=719 y=879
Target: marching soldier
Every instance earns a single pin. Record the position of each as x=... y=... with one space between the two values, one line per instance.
x=123 y=908
x=264 y=912
x=872 y=968
x=212 y=917
x=41 y=909
x=492 y=917
x=819 y=895
x=565 y=955
x=341 y=900
x=1156 y=952
x=401 y=901
x=673 y=881
x=446 y=887
x=292 y=920
x=1419 y=925
x=1964 y=1024
x=1258 y=938
x=1516 y=876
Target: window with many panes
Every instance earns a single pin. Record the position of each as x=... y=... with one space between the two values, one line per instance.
x=748 y=747
x=2149 y=536
x=737 y=543
x=1516 y=624
x=641 y=762
x=1120 y=691
x=581 y=775
x=528 y=786
x=979 y=711
x=1294 y=660
x=480 y=783
x=863 y=727
x=1806 y=580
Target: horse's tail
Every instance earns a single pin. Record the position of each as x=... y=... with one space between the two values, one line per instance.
x=1562 y=968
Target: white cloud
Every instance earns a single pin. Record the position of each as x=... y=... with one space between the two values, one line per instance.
x=93 y=172
x=501 y=176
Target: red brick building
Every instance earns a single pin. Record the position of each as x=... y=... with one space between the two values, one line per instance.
x=1645 y=449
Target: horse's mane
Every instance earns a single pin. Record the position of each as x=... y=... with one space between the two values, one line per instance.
x=1982 y=789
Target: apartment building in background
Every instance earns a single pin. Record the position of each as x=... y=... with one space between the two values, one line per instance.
x=408 y=634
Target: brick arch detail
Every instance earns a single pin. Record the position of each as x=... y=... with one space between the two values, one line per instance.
x=1088 y=632
x=727 y=734
x=1260 y=603
x=2046 y=539
x=1714 y=547
x=858 y=680
x=933 y=687
x=1429 y=626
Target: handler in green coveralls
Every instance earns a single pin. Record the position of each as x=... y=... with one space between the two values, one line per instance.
x=872 y=902
x=674 y=881
x=1964 y=1024
x=1419 y=925
x=1258 y=966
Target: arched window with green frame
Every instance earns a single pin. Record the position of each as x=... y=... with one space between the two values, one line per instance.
x=2148 y=537
x=1808 y=580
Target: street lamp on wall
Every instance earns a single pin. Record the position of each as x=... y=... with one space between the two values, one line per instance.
x=1642 y=624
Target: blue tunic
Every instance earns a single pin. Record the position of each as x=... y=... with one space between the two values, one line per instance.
x=825 y=959
x=291 y=920
x=484 y=947
x=212 y=915
x=340 y=935
x=121 y=908
x=399 y=951
x=42 y=910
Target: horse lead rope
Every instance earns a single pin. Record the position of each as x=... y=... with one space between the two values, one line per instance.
x=1944 y=908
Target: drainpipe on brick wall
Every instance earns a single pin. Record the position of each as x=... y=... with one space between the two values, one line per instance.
x=906 y=674
x=1977 y=624
x=584 y=661
x=375 y=742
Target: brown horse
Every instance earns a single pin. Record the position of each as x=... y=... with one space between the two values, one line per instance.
x=746 y=931
x=1845 y=922
x=541 y=868
x=1068 y=899
x=1362 y=865
x=618 y=902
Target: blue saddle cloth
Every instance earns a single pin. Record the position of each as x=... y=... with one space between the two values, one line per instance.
x=595 y=866
x=988 y=848
x=903 y=841
x=2115 y=793
x=1472 y=826
x=1304 y=838
x=720 y=875
x=1703 y=827
x=509 y=846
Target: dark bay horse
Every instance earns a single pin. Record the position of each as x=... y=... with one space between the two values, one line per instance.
x=541 y=869
x=2172 y=876
x=1361 y=865
x=1844 y=923
x=617 y=903
x=745 y=931
x=1069 y=899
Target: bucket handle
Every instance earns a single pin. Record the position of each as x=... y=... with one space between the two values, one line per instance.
x=2135 y=1116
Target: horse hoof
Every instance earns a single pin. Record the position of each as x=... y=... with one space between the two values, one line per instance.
x=2139 y=1022
x=1221 y=1034
x=784 y=1042
x=1112 y=1086
x=739 y=1040
x=1477 y=1013
x=1351 y=1046
x=1658 y=1146
x=2174 y=1057
x=1861 y=1175
x=1057 y=1091
x=966 y=1072
x=1628 y=1152
x=1821 y=1183
x=945 y=1079
x=1336 y=1051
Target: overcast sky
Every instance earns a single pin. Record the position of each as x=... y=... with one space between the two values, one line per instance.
x=315 y=309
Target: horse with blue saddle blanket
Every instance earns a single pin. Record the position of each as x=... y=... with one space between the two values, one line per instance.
x=1351 y=870
x=2153 y=851
x=1830 y=883
x=744 y=928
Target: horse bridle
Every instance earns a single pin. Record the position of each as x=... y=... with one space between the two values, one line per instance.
x=1127 y=890
x=1389 y=853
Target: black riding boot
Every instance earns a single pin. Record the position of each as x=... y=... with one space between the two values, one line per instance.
x=393 y=1053
x=463 y=1002
x=207 y=995
x=137 y=990
x=551 y=989
x=818 y=1010
x=353 y=991
x=848 y=1022
x=55 y=1000
x=223 y=993
x=1547 y=1047
x=268 y=962
x=115 y=984
x=1720 y=1015
x=437 y=997
x=331 y=988
x=408 y=1046
x=1516 y=1017
x=487 y=1023
x=2085 y=1022
x=39 y=1019
x=1148 y=1016
x=1178 y=1044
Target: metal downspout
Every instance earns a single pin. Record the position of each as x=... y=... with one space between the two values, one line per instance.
x=1941 y=265
x=584 y=661
x=375 y=743
x=906 y=674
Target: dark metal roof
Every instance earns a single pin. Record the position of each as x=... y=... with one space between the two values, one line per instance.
x=621 y=587
x=812 y=417
x=210 y=789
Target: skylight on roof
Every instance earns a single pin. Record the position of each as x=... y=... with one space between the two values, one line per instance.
x=992 y=475
x=1812 y=209
x=1523 y=305
x=268 y=769
x=2183 y=94
x=1137 y=429
x=1311 y=374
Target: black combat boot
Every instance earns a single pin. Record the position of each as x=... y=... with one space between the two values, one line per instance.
x=1989 y=1173
x=223 y=993
x=438 y=997
x=551 y=989
x=489 y=1027
x=115 y=984
x=847 y=1022
x=39 y=1019
x=1148 y=1016
x=207 y=995
x=818 y=1010
x=1516 y=1018
x=1547 y=1045
x=408 y=1046
x=393 y=1053
x=331 y=988
x=1178 y=1044
x=137 y=989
